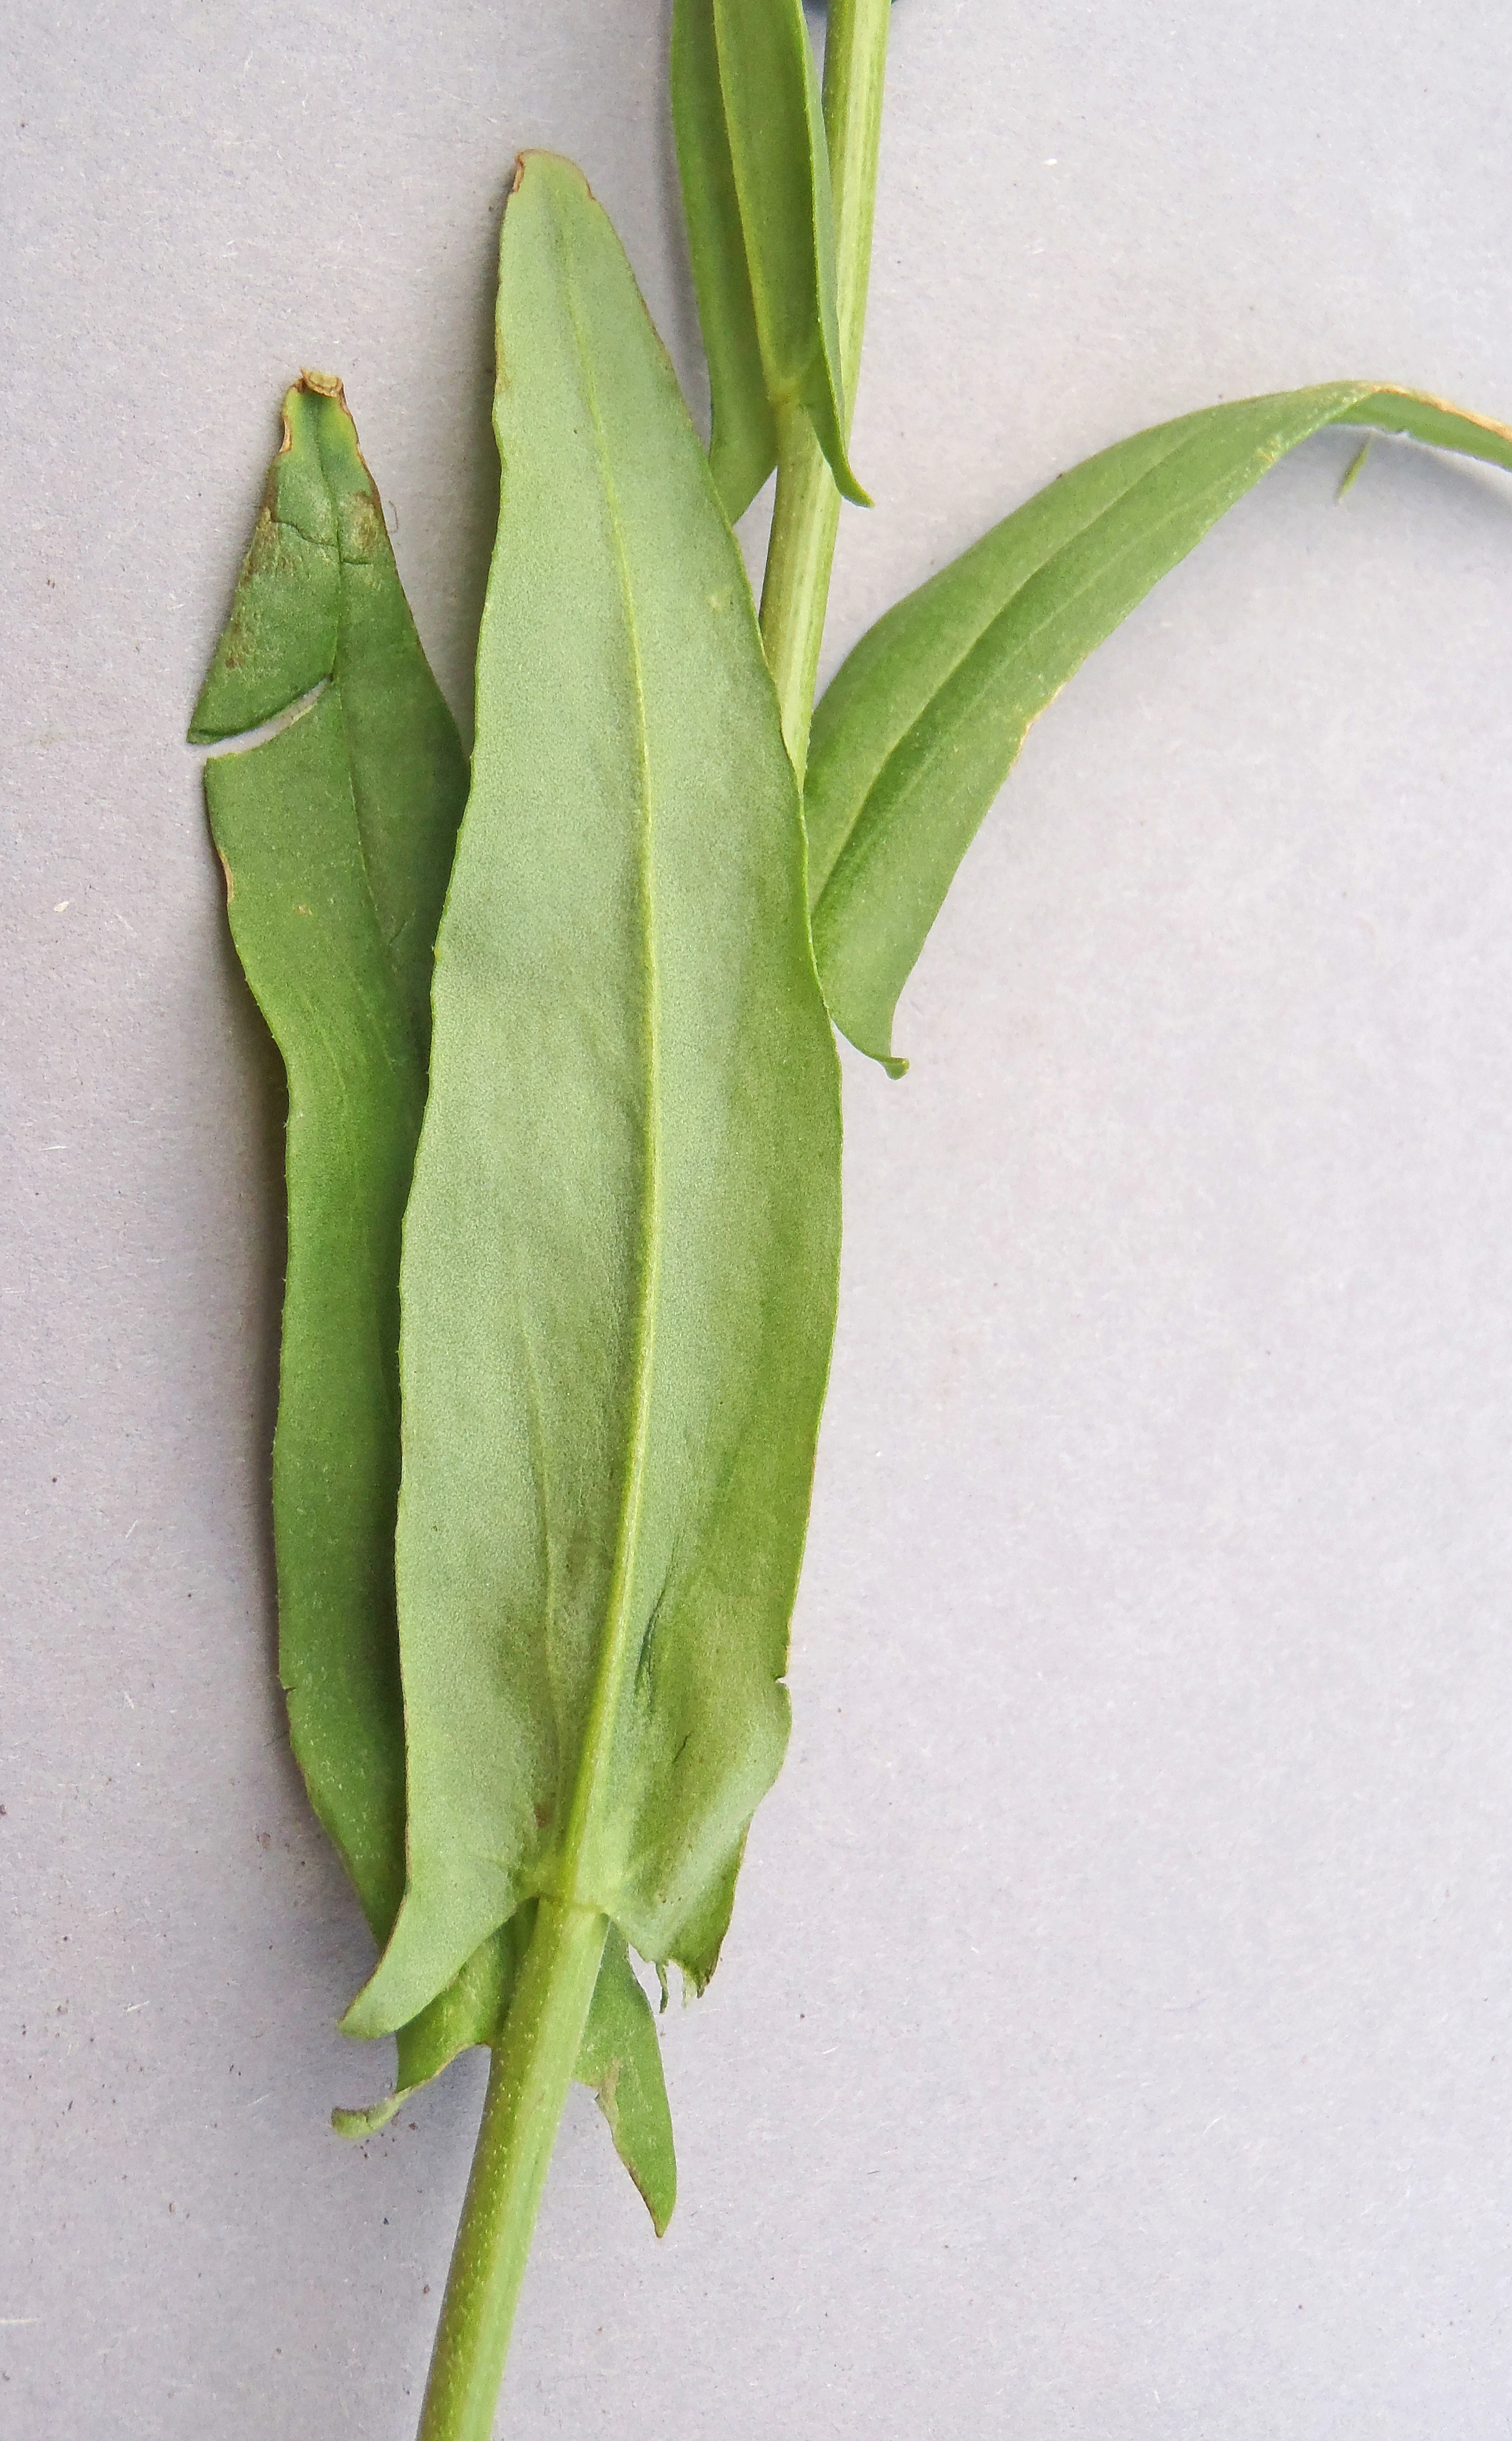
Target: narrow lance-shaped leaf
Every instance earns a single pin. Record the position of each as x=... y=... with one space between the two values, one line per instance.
x=754 y=166
x=742 y=438
x=618 y=2047
x=918 y=732
x=351 y=807
x=336 y=838
x=620 y=1250
x=356 y=801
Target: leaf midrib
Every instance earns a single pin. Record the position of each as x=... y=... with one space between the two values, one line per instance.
x=338 y=658
x=593 y=1757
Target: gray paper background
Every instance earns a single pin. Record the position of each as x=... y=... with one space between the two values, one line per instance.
x=1113 y=2039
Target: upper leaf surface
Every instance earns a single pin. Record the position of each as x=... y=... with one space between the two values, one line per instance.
x=619 y=1253
x=918 y=731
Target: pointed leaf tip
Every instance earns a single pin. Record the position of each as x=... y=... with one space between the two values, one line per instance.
x=920 y=726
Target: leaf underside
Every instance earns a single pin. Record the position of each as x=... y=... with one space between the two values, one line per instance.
x=620 y=1255
x=336 y=838
x=918 y=731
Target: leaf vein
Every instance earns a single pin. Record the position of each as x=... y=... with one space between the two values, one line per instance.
x=603 y=1702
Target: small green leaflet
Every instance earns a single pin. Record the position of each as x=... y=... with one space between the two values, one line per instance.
x=336 y=838
x=754 y=166
x=918 y=731
x=621 y=1250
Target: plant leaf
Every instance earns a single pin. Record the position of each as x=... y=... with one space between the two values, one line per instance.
x=307 y=934
x=754 y=166
x=917 y=734
x=319 y=598
x=336 y=838
x=360 y=793
x=742 y=442
x=352 y=809
x=621 y=2059
x=621 y=1249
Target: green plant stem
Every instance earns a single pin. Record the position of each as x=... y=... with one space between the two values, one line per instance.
x=533 y=2060
x=806 y=516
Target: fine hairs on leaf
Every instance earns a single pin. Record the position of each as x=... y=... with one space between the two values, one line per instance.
x=563 y=1150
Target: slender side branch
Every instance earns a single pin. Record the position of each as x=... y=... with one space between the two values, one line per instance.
x=532 y=2068
x=806 y=517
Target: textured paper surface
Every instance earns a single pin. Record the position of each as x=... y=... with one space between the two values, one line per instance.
x=1114 y=2036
